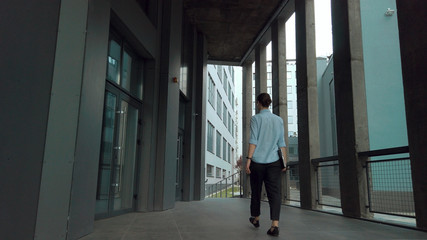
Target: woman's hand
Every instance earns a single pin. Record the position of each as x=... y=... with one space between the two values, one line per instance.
x=248 y=164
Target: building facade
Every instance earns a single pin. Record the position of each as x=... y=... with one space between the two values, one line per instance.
x=112 y=122
x=221 y=123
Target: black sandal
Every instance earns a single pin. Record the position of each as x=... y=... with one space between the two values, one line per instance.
x=254 y=222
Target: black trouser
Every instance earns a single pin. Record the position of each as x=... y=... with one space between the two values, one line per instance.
x=270 y=174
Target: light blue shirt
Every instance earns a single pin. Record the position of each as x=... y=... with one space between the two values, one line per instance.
x=268 y=134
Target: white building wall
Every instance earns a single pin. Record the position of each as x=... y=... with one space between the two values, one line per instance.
x=292 y=95
x=221 y=87
x=292 y=98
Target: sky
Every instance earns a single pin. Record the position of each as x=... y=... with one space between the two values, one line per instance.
x=323 y=48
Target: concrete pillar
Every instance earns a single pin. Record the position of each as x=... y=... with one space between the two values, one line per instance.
x=189 y=50
x=413 y=48
x=246 y=121
x=308 y=123
x=260 y=69
x=279 y=82
x=60 y=146
x=167 y=131
x=351 y=111
x=261 y=84
x=200 y=82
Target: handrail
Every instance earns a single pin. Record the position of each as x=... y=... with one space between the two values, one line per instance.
x=232 y=179
x=292 y=163
x=324 y=159
x=385 y=151
x=224 y=179
x=373 y=153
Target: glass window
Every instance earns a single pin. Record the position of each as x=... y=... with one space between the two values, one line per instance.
x=290 y=105
x=113 y=70
x=224 y=115
x=210 y=137
x=289 y=74
x=219 y=72
x=232 y=101
x=126 y=71
x=183 y=82
x=269 y=90
x=229 y=92
x=219 y=104
x=232 y=74
x=225 y=85
x=211 y=92
x=218 y=144
x=124 y=68
x=229 y=153
x=224 y=152
x=218 y=172
x=210 y=170
x=229 y=122
x=289 y=89
x=290 y=120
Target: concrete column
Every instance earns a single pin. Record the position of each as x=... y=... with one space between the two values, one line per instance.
x=279 y=82
x=260 y=70
x=60 y=146
x=200 y=82
x=413 y=48
x=308 y=123
x=261 y=83
x=351 y=111
x=167 y=131
x=189 y=50
x=246 y=121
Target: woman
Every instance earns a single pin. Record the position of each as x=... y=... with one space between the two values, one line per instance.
x=263 y=165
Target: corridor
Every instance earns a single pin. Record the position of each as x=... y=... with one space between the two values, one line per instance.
x=223 y=219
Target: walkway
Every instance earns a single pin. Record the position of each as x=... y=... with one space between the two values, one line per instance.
x=224 y=219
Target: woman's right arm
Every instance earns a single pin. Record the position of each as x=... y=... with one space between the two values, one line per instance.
x=251 y=151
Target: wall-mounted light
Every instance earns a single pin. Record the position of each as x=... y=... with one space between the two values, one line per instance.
x=175 y=79
x=389 y=12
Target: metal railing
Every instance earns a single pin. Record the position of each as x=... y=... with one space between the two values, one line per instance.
x=294 y=187
x=328 y=182
x=226 y=188
x=389 y=180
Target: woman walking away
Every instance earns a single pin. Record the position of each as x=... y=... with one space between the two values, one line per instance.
x=263 y=163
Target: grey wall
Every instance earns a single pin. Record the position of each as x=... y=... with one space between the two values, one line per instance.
x=27 y=48
x=200 y=88
x=82 y=201
x=167 y=131
x=54 y=199
x=188 y=62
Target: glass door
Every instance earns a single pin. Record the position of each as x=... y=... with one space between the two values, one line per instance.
x=116 y=176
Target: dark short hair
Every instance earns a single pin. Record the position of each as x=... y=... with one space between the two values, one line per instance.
x=264 y=99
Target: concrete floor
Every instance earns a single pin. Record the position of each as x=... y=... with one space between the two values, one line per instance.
x=223 y=219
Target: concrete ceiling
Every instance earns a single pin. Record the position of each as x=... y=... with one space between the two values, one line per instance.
x=230 y=26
